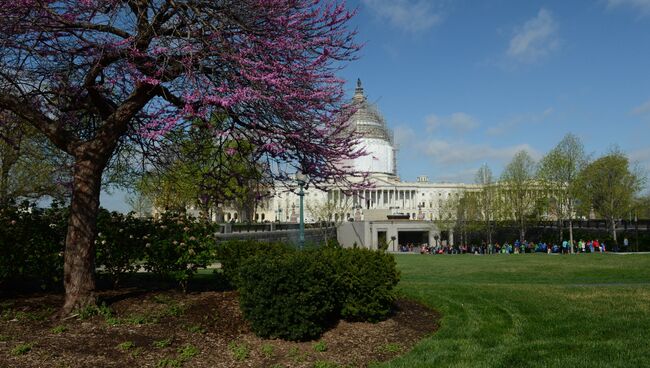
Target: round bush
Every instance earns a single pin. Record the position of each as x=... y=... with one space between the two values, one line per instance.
x=288 y=296
x=232 y=254
x=366 y=280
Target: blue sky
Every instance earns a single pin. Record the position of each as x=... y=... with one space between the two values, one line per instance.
x=464 y=82
x=467 y=82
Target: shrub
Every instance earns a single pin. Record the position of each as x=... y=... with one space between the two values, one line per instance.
x=287 y=296
x=233 y=254
x=120 y=244
x=31 y=245
x=367 y=279
x=178 y=247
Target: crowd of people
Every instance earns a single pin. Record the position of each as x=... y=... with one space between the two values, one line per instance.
x=516 y=247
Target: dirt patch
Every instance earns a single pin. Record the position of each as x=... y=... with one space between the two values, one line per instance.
x=203 y=329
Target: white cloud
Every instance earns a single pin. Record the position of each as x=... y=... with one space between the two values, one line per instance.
x=403 y=135
x=461 y=176
x=641 y=157
x=641 y=5
x=458 y=121
x=642 y=110
x=536 y=39
x=407 y=15
x=511 y=123
x=451 y=153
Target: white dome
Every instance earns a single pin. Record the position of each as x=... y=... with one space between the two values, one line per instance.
x=376 y=139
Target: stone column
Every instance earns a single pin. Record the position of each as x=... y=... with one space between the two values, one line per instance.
x=379 y=198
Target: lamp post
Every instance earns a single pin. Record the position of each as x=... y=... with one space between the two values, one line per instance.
x=636 y=230
x=302 y=179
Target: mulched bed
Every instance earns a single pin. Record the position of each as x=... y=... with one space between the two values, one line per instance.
x=201 y=329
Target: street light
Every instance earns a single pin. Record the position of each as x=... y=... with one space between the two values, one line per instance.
x=302 y=180
x=636 y=230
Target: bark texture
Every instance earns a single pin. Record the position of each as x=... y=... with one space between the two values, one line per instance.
x=79 y=267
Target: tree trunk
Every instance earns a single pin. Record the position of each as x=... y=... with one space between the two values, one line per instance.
x=9 y=159
x=613 y=230
x=571 y=234
x=4 y=184
x=489 y=232
x=79 y=267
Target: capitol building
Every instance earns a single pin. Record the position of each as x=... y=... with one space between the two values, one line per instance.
x=393 y=211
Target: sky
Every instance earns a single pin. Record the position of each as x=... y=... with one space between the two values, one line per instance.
x=466 y=82
x=463 y=83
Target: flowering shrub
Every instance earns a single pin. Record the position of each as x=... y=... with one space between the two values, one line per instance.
x=177 y=247
x=119 y=244
x=31 y=245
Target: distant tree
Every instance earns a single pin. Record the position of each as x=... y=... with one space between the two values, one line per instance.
x=446 y=216
x=30 y=168
x=91 y=74
x=198 y=170
x=520 y=190
x=642 y=207
x=608 y=186
x=140 y=204
x=330 y=212
x=559 y=170
x=486 y=200
x=468 y=214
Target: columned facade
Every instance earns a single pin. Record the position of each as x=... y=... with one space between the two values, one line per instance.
x=419 y=201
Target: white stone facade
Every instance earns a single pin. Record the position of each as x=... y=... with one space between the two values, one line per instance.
x=420 y=200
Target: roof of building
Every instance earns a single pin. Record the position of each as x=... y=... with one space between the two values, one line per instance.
x=367 y=120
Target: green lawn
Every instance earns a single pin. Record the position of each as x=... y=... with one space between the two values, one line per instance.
x=586 y=310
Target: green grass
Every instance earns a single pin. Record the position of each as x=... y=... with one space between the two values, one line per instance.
x=21 y=349
x=320 y=347
x=162 y=343
x=59 y=329
x=126 y=345
x=239 y=351
x=531 y=310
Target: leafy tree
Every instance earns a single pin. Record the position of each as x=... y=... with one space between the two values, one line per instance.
x=608 y=187
x=445 y=219
x=29 y=167
x=91 y=74
x=520 y=190
x=642 y=207
x=467 y=214
x=140 y=204
x=559 y=170
x=486 y=200
x=204 y=172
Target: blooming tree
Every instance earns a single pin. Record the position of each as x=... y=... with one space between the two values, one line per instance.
x=89 y=74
